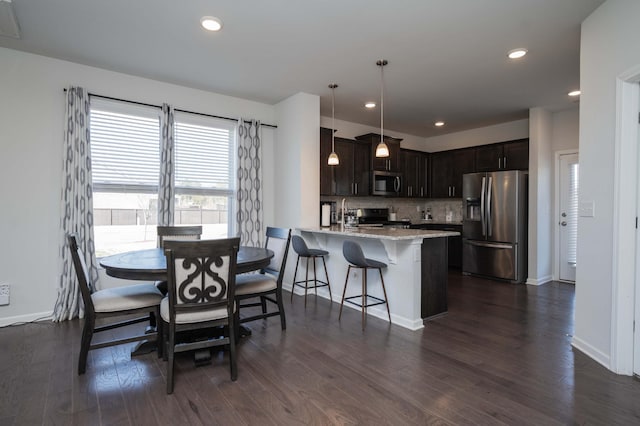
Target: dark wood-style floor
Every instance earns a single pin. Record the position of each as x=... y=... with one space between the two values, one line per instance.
x=501 y=356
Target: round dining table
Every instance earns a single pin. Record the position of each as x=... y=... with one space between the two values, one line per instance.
x=151 y=264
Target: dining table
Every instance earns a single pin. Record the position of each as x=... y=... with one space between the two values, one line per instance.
x=151 y=265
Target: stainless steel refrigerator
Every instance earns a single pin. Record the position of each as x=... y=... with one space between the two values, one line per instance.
x=494 y=226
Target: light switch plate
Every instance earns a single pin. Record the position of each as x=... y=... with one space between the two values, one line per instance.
x=586 y=209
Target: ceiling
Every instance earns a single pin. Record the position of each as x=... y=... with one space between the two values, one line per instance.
x=447 y=58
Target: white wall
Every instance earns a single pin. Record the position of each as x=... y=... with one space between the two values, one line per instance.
x=31 y=123
x=298 y=172
x=481 y=136
x=565 y=126
x=609 y=47
x=540 y=196
x=349 y=130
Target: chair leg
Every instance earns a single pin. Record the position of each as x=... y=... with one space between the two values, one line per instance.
x=85 y=344
x=232 y=350
x=295 y=275
x=344 y=292
x=171 y=350
x=364 y=298
x=326 y=274
x=159 y=333
x=315 y=277
x=165 y=340
x=263 y=304
x=385 y=295
x=283 y=320
x=306 y=284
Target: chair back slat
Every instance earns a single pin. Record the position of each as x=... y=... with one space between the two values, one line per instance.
x=201 y=274
x=181 y=233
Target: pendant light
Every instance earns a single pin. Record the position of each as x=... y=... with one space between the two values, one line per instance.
x=382 y=150
x=333 y=157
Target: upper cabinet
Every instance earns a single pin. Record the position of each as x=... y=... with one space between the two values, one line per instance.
x=386 y=164
x=352 y=176
x=447 y=168
x=513 y=155
x=415 y=173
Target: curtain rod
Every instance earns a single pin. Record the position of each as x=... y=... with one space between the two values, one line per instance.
x=175 y=109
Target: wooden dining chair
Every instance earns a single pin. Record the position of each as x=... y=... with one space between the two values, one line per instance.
x=268 y=283
x=130 y=299
x=201 y=282
x=178 y=233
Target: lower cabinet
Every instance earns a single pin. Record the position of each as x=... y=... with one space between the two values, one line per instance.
x=454 y=244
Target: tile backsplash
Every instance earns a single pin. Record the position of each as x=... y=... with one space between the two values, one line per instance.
x=406 y=208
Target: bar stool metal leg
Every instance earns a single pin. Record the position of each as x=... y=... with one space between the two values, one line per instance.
x=344 y=292
x=385 y=295
x=295 y=274
x=326 y=274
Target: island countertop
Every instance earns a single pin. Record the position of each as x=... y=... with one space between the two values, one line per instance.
x=382 y=233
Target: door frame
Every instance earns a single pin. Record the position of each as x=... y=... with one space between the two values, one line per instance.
x=556 y=213
x=625 y=279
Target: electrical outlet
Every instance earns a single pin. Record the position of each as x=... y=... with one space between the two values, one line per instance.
x=4 y=294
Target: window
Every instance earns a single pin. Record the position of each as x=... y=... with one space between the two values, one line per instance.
x=125 y=150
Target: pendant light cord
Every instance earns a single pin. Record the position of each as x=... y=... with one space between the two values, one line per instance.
x=382 y=101
x=333 y=117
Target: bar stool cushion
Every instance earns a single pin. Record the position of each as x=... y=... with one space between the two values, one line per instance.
x=353 y=254
x=300 y=247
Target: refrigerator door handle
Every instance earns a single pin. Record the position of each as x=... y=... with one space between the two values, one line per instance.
x=482 y=212
x=489 y=190
x=490 y=245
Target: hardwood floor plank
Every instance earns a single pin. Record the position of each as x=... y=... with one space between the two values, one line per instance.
x=502 y=355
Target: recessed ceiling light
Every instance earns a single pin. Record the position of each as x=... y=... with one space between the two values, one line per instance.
x=211 y=23
x=517 y=53
x=439 y=123
x=574 y=93
x=370 y=105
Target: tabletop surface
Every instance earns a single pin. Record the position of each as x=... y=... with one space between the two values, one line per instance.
x=152 y=263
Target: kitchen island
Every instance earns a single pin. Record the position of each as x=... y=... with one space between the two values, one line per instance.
x=415 y=279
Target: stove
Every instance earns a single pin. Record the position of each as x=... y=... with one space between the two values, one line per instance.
x=378 y=217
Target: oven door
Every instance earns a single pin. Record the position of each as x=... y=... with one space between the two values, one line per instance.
x=386 y=183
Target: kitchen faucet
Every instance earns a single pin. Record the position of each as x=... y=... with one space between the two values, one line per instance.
x=342 y=222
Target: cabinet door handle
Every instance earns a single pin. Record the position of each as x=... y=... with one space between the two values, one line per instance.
x=422 y=191
x=454 y=190
x=356 y=185
x=504 y=162
x=499 y=162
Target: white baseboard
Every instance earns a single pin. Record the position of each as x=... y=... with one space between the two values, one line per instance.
x=591 y=352
x=539 y=281
x=40 y=316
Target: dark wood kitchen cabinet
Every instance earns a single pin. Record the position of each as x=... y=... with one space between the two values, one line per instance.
x=513 y=155
x=414 y=168
x=454 y=244
x=447 y=168
x=387 y=164
x=349 y=178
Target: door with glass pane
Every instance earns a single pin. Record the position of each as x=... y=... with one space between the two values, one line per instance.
x=568 y=223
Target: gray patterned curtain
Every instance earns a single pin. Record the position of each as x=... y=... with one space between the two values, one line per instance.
x=166 y=187
x=249 y=191
x=76 y=202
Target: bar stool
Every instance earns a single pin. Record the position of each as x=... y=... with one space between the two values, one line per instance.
x=353 y=254
x=301 y=249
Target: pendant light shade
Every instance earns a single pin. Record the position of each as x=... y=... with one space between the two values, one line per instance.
x=333 y=157
x=382 y=150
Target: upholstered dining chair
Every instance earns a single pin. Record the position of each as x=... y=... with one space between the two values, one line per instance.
x=268 y=283
x=201 y=286
x=130 y=299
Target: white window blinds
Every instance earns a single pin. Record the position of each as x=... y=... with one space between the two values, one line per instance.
x=125 y=146
x=203 y=154
x=572 y=213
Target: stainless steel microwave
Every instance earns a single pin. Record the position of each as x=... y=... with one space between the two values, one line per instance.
x=386 y=183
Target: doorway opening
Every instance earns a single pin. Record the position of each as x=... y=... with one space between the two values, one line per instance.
x=567 y=184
